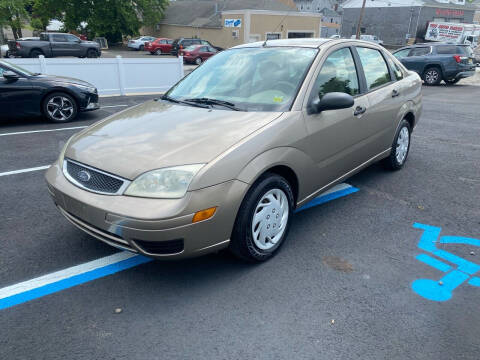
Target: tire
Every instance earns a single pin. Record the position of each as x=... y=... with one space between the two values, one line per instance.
x=452 y=81
x=59 y=107
x=400 y=148
x=141 y=48
x=92 y=53
x=198 y=61
x=432 y=76
x=158 y=52
x=271 y=195
x=35 y=53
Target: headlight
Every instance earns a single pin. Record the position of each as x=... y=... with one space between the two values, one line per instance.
x=90 y=89
x=167 y=183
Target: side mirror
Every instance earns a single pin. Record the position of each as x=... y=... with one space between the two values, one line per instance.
x=10 y=75
x=331 y=101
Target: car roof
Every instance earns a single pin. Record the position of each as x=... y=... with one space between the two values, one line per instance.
x=313 y=43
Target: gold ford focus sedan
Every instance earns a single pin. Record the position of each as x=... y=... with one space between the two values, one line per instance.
x=225 y=157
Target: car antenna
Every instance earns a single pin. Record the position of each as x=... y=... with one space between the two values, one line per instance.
x=280 y=23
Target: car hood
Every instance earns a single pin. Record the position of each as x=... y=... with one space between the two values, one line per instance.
x=160 y=134
x=62 y=79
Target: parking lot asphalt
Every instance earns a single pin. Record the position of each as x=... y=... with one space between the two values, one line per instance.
x=341 y=288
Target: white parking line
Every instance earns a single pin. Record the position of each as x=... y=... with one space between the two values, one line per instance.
x=24 y=170
x=111 y=106
x=40 y=131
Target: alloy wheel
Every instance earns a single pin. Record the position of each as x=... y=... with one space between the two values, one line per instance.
x=270 y=219
x=431 y=77
x=60 y=108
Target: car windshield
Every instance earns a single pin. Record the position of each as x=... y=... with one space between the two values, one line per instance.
x=17 y=68
x=253 y=79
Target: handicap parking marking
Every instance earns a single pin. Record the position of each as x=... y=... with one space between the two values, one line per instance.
x=442 y=289
x=51 y=283
x=67 y=278
x=21 y=171
x=335 y=192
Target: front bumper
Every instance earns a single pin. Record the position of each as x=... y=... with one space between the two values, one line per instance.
x=89 y=102
x=159 y=228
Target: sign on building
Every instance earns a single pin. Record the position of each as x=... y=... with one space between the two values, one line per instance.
x=233 y=23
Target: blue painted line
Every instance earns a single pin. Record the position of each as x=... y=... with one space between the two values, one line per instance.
x=73 y=281
x=329 y=197
x=475 y=281
x=437 y=264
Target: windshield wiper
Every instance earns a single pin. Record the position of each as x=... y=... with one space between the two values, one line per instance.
x=168 y=98
x=209 y=101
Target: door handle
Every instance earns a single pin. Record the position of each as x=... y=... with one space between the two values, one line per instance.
x=359 y=110
x=395 y=93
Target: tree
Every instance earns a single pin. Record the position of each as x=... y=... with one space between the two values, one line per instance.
x=13 y=13
x=109 y=18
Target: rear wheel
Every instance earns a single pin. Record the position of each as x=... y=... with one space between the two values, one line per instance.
x=158 y=52
x=400 y=147
x=198 y=61
x=141 y=48
x=263 y=220
x=59 y=107
x=432 y=76
x=35 y=53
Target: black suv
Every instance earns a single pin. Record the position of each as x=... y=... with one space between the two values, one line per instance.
x=435 y=62
x=183 y=43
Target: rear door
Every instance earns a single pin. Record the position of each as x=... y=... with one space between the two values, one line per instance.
x=385 y=96
x=59 y=44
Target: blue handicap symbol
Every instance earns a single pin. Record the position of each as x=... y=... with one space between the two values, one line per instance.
x=441 y=290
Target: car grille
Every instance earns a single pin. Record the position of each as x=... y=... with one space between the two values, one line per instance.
x=93 y=179
x=168 y=247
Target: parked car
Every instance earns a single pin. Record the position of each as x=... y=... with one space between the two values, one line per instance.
x=183 y=43
x=197 y=54
x=435 y=62
x=370 y=38
x=54 y=44
x=159 y=46
x=139 y=43
x=225 y=157
x=57 y=98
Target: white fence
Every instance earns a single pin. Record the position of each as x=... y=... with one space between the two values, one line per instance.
x=116 y=76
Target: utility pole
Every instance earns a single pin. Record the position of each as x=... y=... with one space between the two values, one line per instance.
x=360 y=19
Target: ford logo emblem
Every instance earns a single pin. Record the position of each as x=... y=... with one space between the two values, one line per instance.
x=84 y=175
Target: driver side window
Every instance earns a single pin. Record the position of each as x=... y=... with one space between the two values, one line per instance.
x=338 y=74
x=2 y=70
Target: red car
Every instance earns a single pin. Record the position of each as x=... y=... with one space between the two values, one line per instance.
x=197 y=54
x=159 y=46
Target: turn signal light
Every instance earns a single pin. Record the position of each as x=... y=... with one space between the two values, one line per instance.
x=204 y=214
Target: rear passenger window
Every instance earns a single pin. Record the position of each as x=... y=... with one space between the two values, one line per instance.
x=447 y=49
x=338 y=74
x=397 y=72
x=420 y=51
x=374 y=67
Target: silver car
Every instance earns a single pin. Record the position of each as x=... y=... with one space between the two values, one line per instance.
x=225 y=157
x=139 y=43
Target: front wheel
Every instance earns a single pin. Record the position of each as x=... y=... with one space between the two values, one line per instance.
x=432 y=76
x=91 y=53
x=59 y=107
x=158 y=52
x=400 y=147
x=263 y=220
x=141 y=48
